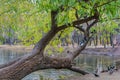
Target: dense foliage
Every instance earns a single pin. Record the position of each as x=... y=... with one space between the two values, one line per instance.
x=26 y=21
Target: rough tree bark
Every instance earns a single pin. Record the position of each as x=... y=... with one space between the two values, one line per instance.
x=36 y=60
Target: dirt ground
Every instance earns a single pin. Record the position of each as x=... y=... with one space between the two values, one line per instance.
x=103 y=76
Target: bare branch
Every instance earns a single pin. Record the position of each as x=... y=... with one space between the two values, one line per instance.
x=76 y=69
x=79 y=28
x=89 y=26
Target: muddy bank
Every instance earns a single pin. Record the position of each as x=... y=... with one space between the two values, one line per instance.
x=102 y=76
x=18 y=48
x=96 y=51
x=113 y=52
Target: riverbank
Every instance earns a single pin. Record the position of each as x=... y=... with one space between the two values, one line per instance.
x=103 y=51
x=89 y=50
x=17 y=48
x=103 y=76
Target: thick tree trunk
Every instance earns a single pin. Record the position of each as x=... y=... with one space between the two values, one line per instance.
x=96 y=38
x=36 y=60
x=27 y=65
x=23 y=66
x=32 y=62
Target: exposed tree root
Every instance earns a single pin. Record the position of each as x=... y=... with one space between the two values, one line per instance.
x=78 y=70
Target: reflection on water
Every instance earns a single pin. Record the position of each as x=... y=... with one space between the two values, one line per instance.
x=84 y=61
x=9 y=55
x=93 y=62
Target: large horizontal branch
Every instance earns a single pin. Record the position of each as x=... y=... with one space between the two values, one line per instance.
x=80 y=28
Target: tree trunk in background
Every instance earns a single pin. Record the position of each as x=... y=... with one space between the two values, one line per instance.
x=90 y=43
x=103 y=42
x=94 y=41
x=107 y=39
x=100 y=40
x=96 y=38
x=111 y=40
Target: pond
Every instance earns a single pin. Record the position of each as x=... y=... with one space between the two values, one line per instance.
x=84 y=61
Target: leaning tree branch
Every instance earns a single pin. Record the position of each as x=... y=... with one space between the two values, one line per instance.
x=75 y=53
x=79 y=28
x=79 y=49
x=89 y=26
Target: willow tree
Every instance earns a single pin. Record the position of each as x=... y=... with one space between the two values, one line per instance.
x=55 y=16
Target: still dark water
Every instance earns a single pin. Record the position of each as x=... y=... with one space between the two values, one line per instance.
x=84 y=61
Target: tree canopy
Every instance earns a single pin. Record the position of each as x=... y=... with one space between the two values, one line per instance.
x=30 y=19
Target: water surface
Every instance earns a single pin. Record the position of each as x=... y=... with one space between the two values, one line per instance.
x=84 y=61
